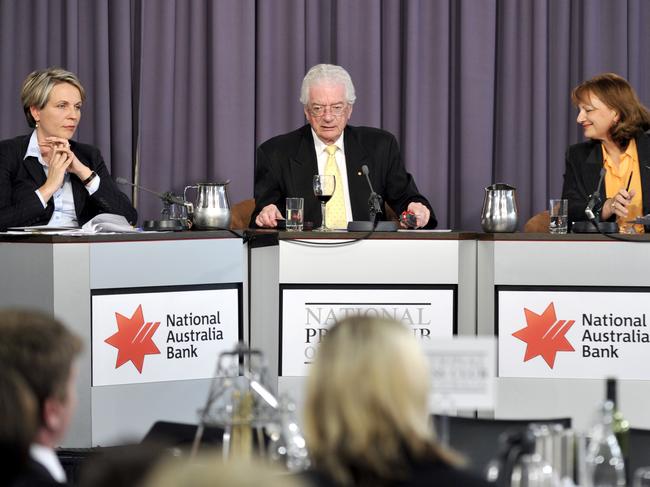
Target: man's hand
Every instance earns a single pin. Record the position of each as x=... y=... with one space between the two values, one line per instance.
x=421 y=212
x=268 y=216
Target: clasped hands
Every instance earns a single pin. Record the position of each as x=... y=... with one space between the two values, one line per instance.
x=59 y=159
x=267 y=218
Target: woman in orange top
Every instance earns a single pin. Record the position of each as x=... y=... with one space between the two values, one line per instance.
x=614 y=119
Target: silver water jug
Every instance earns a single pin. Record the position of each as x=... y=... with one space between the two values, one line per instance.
x=499 y=209
x=211 y=211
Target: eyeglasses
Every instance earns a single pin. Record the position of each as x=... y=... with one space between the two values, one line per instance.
x=336 y=110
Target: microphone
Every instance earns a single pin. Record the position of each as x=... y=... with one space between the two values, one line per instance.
x=595 y=199
x=375 y=204
x=594 y=225
x=167 y=197
x=374 y=201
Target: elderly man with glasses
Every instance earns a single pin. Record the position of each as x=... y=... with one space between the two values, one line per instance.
x=286 y=164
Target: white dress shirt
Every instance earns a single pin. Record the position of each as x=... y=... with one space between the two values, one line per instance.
x=64 y=212
x=47 y=457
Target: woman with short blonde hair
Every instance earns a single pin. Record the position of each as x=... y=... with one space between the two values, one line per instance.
x=46 y=177
x=366 y=412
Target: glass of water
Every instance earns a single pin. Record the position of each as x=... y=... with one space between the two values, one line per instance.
x=558 y=210
x=294 y=213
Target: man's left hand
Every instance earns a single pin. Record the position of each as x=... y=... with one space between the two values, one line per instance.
x=421 y=212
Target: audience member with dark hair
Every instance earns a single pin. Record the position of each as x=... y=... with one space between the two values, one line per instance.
x=366 y=416
x=43 y=352
x=17 y=423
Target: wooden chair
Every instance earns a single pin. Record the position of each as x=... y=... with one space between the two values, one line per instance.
x=538 y=223
x=241 y=214
x=390 y=214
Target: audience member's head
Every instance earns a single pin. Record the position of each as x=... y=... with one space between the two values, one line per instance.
x=366 y=406
x=18 y=421
x=43 y=352
x=209 y=470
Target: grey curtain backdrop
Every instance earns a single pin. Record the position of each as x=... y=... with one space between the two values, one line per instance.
x=476 y=91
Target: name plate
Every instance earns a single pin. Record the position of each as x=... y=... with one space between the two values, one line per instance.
x=162 y=334
x=308 y=312
x=463 y=370
x=568 y=332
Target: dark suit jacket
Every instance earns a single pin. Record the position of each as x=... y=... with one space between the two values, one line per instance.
x=583 y=164
x=416 y=474
x=20 y=178
x=286 y=164
x=35 y=475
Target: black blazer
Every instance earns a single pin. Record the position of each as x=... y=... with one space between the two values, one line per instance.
x=583 y=164
x=20 y=178
x=285 y=166
x=416 y=474
x=35 y=475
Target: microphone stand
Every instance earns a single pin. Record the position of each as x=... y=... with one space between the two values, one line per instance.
x=168 y=198
x=375 y=204
x=592 y=212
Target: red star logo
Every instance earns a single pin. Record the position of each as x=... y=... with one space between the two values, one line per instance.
x=544 y=335
x=133 y=339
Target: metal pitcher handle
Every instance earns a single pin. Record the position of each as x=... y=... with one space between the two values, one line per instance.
x=188 y=204
x=195 y=186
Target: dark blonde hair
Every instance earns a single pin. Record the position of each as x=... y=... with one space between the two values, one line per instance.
x=38 y=85
x=41 y=350
x=366 y=408
x=615 y=92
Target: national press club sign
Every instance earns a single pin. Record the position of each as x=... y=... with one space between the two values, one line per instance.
x=152 y=335
x=582 y=333
x=308 y=312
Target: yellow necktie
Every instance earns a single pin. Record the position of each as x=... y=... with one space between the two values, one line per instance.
x=336 y=217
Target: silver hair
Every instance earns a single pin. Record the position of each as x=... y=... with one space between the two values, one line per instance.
x=327 y=73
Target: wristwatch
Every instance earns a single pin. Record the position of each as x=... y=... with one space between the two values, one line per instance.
x=92 y=176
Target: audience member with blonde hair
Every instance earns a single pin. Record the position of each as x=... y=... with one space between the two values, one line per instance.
x=366 y=417
x=209 y=470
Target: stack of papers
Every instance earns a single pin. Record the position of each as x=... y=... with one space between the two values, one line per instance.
x=102 y=223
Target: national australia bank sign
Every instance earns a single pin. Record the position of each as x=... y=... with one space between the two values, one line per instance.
x=307 y=314
x=582 y=333
x=152 y=335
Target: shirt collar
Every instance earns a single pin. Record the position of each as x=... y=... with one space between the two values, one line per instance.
x=47 y=457
x=319 y=145
x=628 y=159
x=631 y=149
x=33 y=150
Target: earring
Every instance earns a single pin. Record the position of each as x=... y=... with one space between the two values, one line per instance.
x=36 y=124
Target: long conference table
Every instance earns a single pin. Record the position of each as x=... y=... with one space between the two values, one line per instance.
x=182 y=298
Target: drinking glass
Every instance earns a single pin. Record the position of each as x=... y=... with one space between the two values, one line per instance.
x=642 y=477
x=294 y=213
x=558 y=211
x=324 y=185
